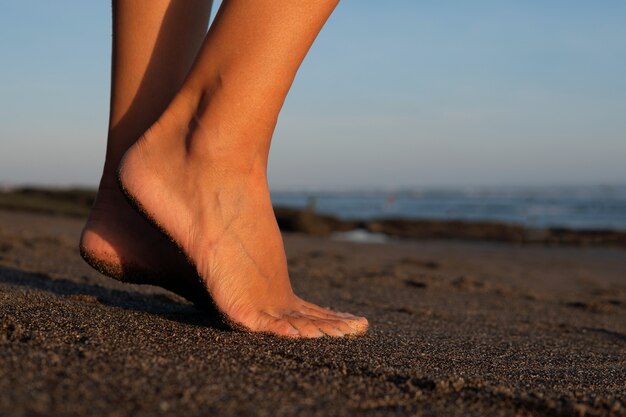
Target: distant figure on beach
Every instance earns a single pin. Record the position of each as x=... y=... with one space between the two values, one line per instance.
x=183 y=202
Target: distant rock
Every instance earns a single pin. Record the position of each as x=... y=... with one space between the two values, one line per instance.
x=306 y=221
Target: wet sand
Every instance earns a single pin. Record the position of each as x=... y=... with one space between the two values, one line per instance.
x=457 y=329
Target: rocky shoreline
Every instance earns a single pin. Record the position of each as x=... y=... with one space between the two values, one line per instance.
x=76 y=203
x=303 y=221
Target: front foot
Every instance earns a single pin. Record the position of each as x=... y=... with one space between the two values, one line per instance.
x=213 y=202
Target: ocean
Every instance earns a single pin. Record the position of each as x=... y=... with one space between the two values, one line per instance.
x=590 y=207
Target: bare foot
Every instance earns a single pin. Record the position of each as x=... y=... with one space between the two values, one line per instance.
x=207 y=190
x=118 y=242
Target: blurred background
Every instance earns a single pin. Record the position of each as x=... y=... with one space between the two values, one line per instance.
x=485 y=110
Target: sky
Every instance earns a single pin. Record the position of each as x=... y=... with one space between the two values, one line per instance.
x=398 y=94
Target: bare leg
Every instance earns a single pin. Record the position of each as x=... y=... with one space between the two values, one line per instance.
x=154 y=45
x=199 y=173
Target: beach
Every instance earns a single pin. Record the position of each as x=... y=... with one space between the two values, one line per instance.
x=458 y=328
x=454 y=173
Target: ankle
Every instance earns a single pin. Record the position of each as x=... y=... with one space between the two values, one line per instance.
x=213 y=133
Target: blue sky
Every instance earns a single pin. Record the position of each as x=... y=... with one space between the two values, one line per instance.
x=393 y=94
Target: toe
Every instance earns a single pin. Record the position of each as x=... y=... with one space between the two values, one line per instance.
x=348 y=327
x=311 y=326
x=326 y=312
x=268 y=323
x=297 y=324
x=357 y=325
x=284 y=328
x=318 y=312
x=307 y=326
x=330 y=329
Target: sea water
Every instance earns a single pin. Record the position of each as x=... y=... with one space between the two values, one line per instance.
x=590 y=207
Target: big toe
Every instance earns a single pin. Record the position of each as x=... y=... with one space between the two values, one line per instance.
x=310 y=326
x=359 y=325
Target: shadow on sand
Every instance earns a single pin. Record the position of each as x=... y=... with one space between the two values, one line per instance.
x=158 y=304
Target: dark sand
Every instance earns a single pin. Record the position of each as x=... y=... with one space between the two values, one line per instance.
x=457 y=329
